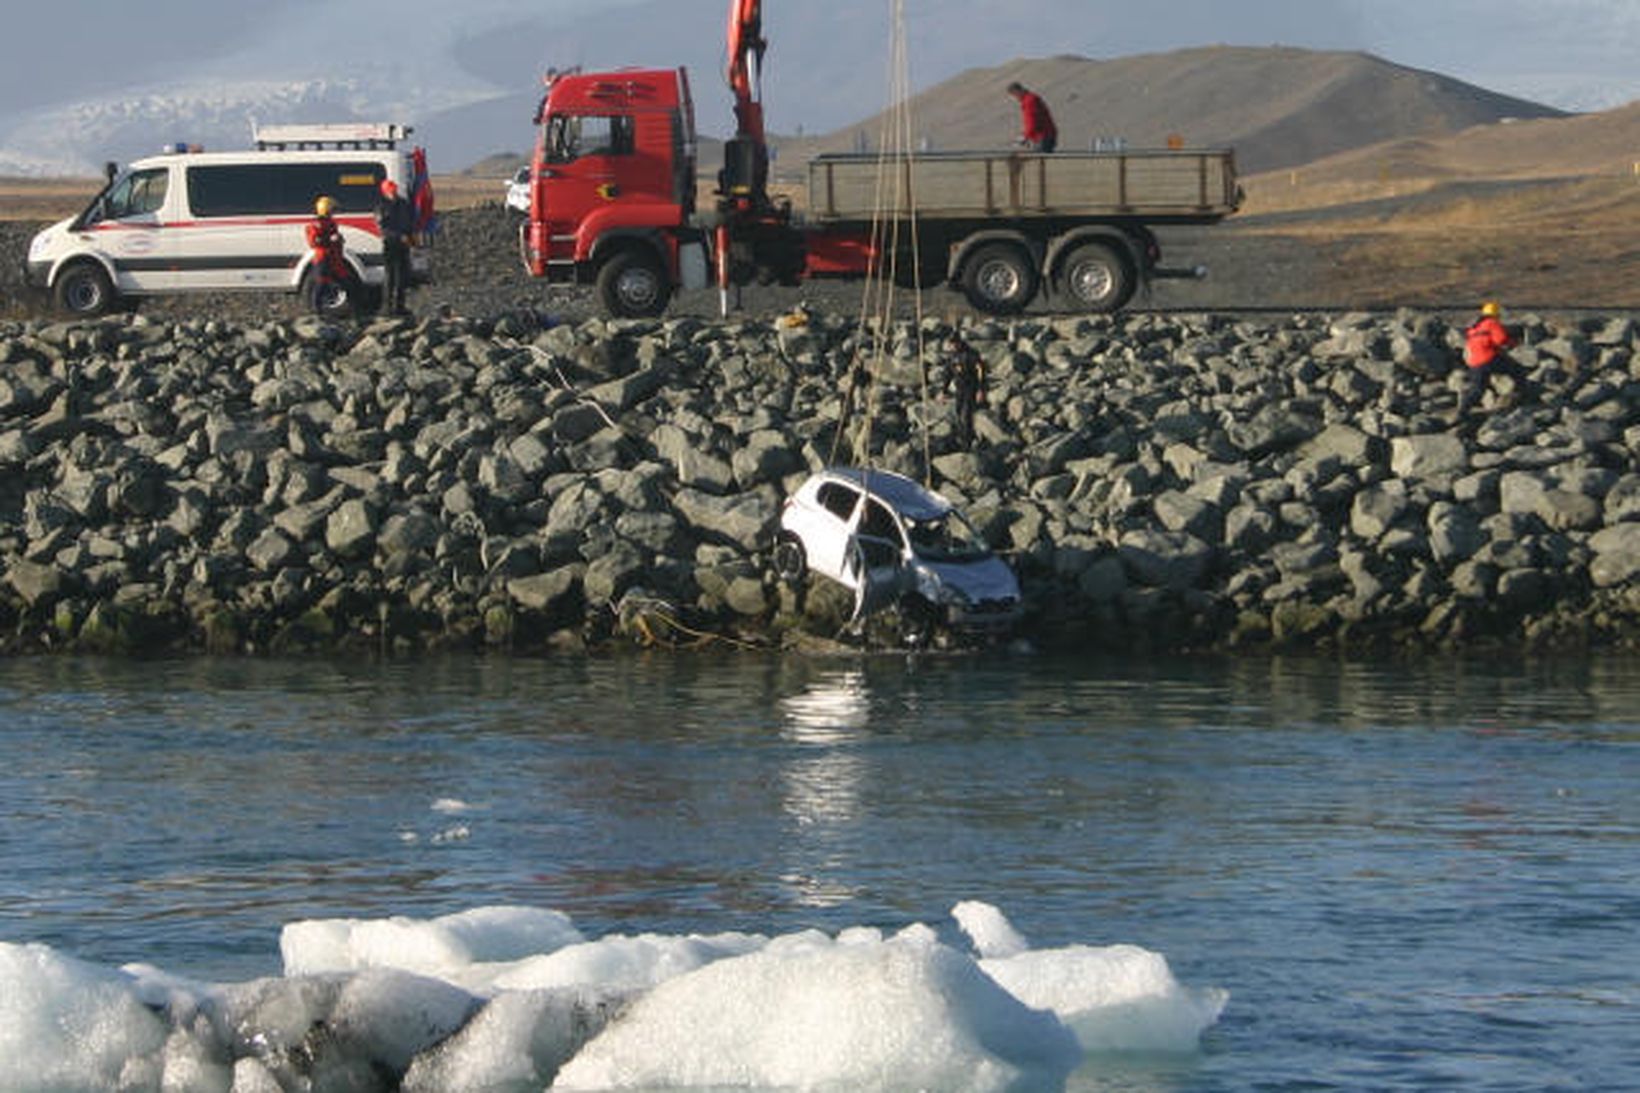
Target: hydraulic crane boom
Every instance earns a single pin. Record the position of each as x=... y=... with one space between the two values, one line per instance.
x=745 y=70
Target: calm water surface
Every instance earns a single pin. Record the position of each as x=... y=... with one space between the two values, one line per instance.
x=1408 y=875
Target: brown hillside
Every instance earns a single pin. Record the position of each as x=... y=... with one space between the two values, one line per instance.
x=1278 y=107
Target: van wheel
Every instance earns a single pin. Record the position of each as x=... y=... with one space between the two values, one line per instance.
x=331 y=300
x=1000 y=279
x=84 y=289
x=633 y=285
x=1096 y=278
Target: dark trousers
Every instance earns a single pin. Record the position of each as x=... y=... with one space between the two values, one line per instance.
x=1481 y=374
x=396 y=258
x=966 y=398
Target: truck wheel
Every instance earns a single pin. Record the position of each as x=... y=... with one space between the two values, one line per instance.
x=84 y=289
x=633 y=285
x=1000 y=279
x=1096 y=278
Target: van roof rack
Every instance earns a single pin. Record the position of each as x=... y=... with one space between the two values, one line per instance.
x=331 y=135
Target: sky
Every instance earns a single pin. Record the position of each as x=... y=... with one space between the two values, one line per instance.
x=79 y=71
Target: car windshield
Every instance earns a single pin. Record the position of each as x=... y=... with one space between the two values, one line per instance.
x=947 y=538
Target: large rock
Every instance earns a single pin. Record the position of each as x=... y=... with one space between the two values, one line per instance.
x=1429 y=455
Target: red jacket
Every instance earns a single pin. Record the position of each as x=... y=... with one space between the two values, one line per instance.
x=1035 y=119
x=1484 y=341
x=325 y=240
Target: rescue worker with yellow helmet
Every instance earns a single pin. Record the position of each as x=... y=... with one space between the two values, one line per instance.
x=330 y=272
x=1486 y=345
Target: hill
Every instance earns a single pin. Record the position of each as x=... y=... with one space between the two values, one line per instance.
x=1279 y=107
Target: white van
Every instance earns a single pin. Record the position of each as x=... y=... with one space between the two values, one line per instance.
x=191 y=221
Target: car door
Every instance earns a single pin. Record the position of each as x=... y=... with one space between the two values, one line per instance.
x=831 y=520
x=875 y=559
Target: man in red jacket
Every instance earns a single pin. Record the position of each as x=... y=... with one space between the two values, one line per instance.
x=1485 y=350
x=1037 y=130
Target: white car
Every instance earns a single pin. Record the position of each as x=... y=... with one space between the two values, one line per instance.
x=894 y=543
x=518 y=190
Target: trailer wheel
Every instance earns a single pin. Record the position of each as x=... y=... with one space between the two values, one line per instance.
x=84 y=289
x=633 y=285
x=1000 y=279
x=1097 y=278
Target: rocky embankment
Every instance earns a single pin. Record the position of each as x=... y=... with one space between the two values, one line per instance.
x=1159 y=481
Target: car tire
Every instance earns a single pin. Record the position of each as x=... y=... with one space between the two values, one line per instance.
x=918 y=621
x=84 y=289
x=789 y=559
x=338 y=302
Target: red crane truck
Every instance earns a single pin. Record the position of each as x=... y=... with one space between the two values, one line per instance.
x=613 y=203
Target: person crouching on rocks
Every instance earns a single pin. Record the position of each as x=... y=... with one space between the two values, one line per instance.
x=333 y=277
x=1486 y=350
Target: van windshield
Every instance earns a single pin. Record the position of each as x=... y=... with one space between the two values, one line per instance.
x=947 y=538
x=137 y=194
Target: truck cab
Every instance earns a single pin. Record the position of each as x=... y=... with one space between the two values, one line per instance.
x=612 y=197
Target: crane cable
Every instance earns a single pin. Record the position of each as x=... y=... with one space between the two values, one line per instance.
x=892 y=213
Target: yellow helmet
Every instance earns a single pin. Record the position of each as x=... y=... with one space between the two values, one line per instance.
x=1491 y=308
x=324 y=205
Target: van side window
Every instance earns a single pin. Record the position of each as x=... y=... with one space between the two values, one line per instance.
x=837 y=499
x=282 y=189
x=137 y=194
x=569 y=136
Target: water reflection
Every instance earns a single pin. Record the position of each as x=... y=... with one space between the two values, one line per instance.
x=822 y=780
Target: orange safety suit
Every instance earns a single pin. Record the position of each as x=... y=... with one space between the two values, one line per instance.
x=1484 y=341
x=324 y=238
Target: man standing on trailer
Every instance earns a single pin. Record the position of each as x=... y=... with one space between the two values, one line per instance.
x=397 y=221
x=1037 y=130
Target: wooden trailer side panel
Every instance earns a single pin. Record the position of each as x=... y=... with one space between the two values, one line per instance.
x=1193 y=185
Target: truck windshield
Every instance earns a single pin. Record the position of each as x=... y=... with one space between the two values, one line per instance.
x=947 y=538
x=571 y=136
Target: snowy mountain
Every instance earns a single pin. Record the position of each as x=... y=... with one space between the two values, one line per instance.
x=77 y=89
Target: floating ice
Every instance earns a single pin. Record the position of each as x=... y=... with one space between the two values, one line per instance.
x=450 y=945
x=506 y=998
x=809 y=1012
x=65 y=1024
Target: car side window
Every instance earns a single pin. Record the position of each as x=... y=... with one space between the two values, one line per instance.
x=837 y=499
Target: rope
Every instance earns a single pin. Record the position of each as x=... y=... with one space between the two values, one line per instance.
x=892 y=213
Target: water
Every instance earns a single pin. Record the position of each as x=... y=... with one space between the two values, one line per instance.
x=1407 y=875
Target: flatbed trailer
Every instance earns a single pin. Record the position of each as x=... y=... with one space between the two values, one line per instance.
x=1004 y=227
x=1155 y=186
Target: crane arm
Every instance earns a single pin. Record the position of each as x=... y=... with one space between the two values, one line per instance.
x=745 y=67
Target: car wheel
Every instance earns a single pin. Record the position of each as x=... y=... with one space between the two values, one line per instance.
x=1000 y=279
x=633 y=285
x=791 y=562
x=918 y=621
x=84 y=289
